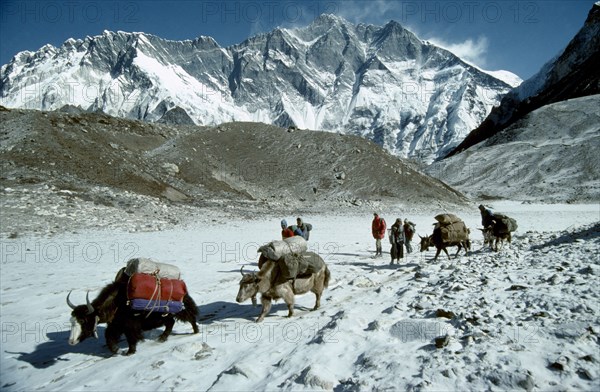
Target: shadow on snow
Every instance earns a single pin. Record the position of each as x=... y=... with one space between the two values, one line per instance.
x=51 y=352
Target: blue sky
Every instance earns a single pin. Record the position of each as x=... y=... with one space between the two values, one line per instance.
x=514 y=35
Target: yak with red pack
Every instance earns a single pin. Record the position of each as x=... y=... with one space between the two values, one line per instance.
x=124 y=314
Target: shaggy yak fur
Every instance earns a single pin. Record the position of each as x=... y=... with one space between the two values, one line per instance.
x=111 y=307
x=268 y=282
x=436 y=240
x=494 y=237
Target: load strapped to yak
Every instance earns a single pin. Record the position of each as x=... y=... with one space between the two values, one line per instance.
x=153 y=286
x=292 y=257
x=504 y=224
x=275 y=250
x=452 y=228
x=296 y=265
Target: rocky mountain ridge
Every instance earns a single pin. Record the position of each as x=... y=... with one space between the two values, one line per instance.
x=572 y=74
x=379 y=82
x=548 y=156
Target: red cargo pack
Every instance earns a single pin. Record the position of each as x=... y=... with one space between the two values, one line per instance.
x=144 y=286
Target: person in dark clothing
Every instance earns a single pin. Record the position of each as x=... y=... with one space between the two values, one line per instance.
x=409 y=232
x=397 y=239
x=487 y=216
x=302 y=229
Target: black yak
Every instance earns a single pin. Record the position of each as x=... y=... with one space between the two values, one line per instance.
x=493 y=237
x=111 y=307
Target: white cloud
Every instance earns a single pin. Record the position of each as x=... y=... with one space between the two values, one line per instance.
x=471 y=51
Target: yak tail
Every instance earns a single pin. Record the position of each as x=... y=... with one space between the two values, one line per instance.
x=327 y=277
x=190 y=313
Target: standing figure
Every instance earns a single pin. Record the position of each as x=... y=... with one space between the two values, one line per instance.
x=397 y=239
x=487 y=216
x=409 y=232
x=378 y=227
x=302 y=229
x=286 y=232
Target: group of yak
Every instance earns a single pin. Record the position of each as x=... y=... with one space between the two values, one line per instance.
x=450 y=230
x=146 y=294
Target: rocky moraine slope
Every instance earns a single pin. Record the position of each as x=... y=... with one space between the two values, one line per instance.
x=141 y=175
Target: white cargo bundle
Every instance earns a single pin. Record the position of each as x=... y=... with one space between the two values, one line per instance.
x=275 y=250
x=142 y=265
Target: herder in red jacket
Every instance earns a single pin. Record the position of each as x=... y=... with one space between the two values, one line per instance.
x=286 y=232
x=378 y=229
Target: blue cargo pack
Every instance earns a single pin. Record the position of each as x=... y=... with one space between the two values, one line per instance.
x=151 y=305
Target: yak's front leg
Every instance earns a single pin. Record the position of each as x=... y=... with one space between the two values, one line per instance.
x=112 y=338
x=266 y=307
x=132 y=340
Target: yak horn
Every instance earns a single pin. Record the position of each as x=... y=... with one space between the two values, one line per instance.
x=69 y=301
x=241 y=270
x=89 y=305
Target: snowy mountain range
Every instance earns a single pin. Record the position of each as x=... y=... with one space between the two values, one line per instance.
x=380 y=82
x=573 y=73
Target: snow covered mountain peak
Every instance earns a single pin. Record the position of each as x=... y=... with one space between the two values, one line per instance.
x=329 y=19
x=379 y=82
